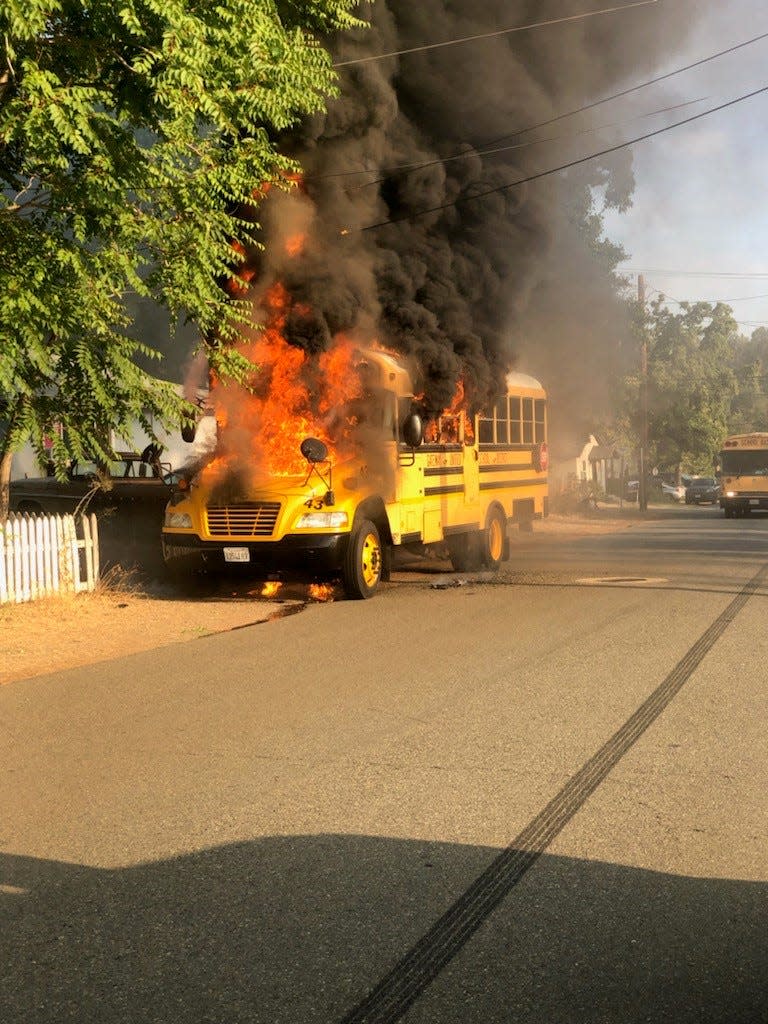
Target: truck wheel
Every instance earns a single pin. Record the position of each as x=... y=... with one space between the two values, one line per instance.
x=493 y=537
x=362 y=568
x=465 y=550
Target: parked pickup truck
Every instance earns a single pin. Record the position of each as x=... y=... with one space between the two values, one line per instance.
x=130 y=479
x=702 y=490
x=128 y=495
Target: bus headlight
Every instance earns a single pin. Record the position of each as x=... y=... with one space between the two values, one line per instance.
x=322 y=521
x=178 y=520
x=730 y=494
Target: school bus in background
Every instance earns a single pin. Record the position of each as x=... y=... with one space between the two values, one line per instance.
x=459 y=482
x=743 y=469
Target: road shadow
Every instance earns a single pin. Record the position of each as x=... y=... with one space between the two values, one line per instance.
x=299 y=929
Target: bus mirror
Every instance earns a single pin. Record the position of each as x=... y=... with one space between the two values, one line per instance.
x=313 y=450
x=413 y=430
x=188 y=431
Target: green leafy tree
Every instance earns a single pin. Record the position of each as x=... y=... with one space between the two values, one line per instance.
x=132 y=136
x=750 y=406
x=692 y=383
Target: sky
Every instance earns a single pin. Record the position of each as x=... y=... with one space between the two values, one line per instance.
x=701 y=198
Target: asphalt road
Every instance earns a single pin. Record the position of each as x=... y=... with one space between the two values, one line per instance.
x=536 y=797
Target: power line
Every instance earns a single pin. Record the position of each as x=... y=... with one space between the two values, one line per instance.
x=737 y=275
x=742 y=298
x=712 y=302
x=505 y=149
x=563 y=167
x=643 y=85
x=498 y=32
x=552 y=120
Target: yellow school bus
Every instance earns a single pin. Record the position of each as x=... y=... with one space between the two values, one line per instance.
x=455 y=481
x=743 y=462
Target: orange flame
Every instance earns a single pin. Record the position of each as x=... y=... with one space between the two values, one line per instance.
x=289 y=397
x=294 y=245
x=321 y=591
x=270 y=588
x=453 y=423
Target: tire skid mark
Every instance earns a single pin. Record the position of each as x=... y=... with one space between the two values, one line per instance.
x=409 y=978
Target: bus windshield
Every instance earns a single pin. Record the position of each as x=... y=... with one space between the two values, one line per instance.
x=744 y=463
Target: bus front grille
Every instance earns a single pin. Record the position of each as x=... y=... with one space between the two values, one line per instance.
x=247 y=519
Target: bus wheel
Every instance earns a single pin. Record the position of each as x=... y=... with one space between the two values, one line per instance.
x=465 y=551
x=728 y=512
x=493 y=537
x=362 y=568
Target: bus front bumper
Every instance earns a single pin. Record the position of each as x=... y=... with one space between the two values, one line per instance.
x=315 y=555
x=744 y=501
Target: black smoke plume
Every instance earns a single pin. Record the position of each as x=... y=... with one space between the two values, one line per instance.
x=469 y=287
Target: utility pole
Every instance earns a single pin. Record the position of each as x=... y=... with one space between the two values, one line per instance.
x=642 y=496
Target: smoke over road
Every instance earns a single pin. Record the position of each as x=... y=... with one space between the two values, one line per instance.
x=467 y=288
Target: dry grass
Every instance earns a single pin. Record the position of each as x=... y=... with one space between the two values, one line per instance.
x=119 y=618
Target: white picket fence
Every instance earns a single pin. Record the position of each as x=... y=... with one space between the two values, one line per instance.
x=40 y=556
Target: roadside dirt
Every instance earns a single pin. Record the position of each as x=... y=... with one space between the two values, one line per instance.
x=66 y=632
x=125 y=617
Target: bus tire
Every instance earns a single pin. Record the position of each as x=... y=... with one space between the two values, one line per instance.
x=363 y=562
x=494 y=538
x=466 y=551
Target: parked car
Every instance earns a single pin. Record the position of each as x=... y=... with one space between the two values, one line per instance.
x=702 y=490
x=674 y=491
x=128 y=496
x=129 y=480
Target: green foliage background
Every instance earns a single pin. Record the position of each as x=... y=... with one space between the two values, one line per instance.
x=705 y=381
x=131 y=133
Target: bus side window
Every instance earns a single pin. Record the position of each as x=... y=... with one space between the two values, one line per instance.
x=486 y=431
x=540 y=433
x=502 y=421
x=527 y=421
x=516 y=436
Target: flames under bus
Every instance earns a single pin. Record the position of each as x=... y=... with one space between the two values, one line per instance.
x=460 y=483
x=744 y=474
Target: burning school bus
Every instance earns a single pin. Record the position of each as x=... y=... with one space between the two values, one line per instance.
x=363 y=478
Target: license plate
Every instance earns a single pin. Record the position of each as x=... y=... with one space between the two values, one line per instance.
x=237 y=555
x=754 y=501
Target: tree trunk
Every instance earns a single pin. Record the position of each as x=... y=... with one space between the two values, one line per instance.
x=6 y=460
x=8 y=417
